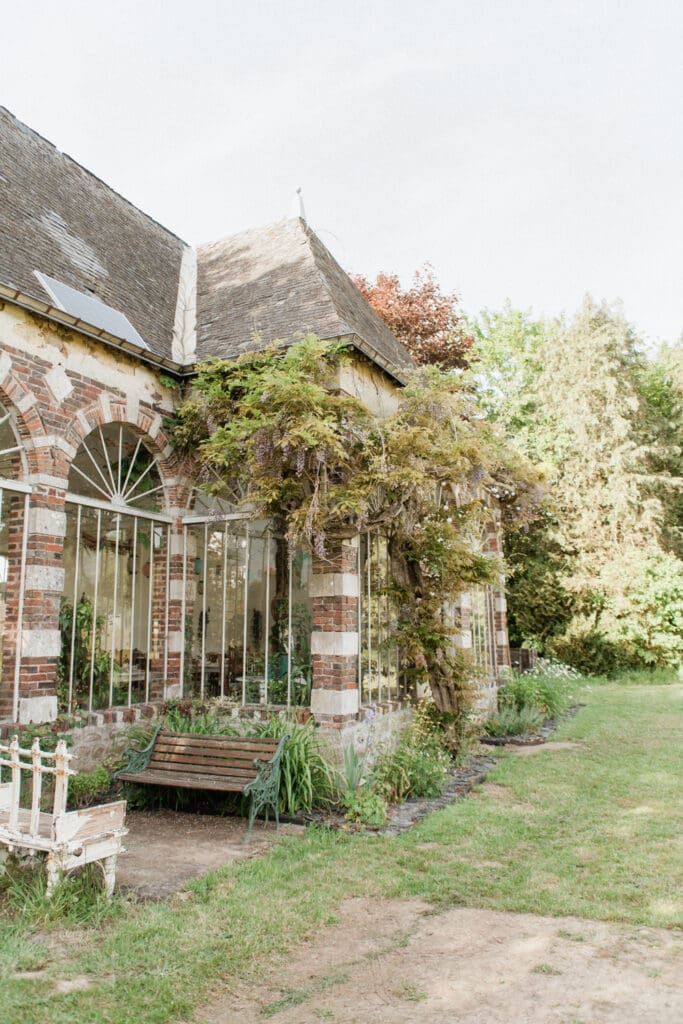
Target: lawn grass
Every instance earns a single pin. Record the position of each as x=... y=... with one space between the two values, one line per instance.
x=593 y=831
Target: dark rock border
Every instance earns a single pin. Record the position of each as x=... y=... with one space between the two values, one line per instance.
x=461 y=781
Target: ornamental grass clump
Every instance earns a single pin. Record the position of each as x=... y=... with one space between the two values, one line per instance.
x=512 y=721
x=307 y=779
x=358 y=796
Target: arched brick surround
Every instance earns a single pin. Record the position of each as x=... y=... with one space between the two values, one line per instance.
x=55 y=409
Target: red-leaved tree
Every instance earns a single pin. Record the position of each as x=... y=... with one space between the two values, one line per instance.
x=427 y=320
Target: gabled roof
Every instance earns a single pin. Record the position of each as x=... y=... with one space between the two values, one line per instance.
x=62 y=226
x=61 y=220
x=278 y=283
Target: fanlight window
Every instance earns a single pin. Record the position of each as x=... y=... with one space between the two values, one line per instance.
x=113 y=465
x=10 y=449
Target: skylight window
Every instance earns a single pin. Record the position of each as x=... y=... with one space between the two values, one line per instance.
x=90 y=310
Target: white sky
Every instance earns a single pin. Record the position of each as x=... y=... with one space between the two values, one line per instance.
x=530 y=149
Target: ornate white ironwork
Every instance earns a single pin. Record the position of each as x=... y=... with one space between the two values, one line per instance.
x=114 y=464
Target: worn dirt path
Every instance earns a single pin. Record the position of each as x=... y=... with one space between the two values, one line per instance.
x=401 y=962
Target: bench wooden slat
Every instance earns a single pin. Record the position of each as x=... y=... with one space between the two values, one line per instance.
x=186 y=769
x=188 y=739
x=203 y=757
x=241 y=755
x=185 y=781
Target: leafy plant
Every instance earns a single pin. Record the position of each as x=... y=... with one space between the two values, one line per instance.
x=89 y=788
x=197 y=719
x=306 y=778
x=366 y=807
x=416 y=768
x=84 y=659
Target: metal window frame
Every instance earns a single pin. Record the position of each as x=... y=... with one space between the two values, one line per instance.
x=118 y=511
x=225 y=519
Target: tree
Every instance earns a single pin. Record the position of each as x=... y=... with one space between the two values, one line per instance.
x=278 y=435
x=581 y=397
x=425 y=319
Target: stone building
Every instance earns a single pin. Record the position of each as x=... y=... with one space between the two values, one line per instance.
x=121 y=583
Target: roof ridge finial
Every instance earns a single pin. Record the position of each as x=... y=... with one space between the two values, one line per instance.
x=297 y=208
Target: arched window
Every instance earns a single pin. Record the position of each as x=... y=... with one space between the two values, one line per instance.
x=114 y=610
x=114 y=465
x=11 y=449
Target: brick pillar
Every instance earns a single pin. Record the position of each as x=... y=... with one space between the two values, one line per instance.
x=43 y=588
x=334 y=639
x=13 y=521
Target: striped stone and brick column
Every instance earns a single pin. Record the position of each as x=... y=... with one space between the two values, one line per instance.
x=335 y=639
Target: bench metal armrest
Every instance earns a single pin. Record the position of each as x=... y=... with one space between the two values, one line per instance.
x=265 y=788
x=138 y=759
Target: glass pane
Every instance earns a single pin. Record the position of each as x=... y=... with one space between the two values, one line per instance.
x=481 y=626
x=10 y=458
x=257 y=615
x=112 y=608
x=379 y=656
x=302 y=625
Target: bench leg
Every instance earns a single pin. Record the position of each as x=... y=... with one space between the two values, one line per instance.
x=252 y=815
x=109 y=872
x=53 y=875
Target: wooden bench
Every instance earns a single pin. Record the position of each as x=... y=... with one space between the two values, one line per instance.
x=221 y=764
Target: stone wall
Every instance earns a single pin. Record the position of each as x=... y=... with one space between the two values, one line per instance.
x=370 y=733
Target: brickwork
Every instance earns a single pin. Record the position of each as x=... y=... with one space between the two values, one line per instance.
x=335 y=635
x=55 y=407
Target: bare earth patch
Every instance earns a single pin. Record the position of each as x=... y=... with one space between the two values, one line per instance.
x=524 y=751
x=166 y=849
x=399 y=962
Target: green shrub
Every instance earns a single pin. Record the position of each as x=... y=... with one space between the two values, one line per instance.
x=416 y=768
x=89 y=788
x=512 y=721
x=549 y=696
x=197 y=718
x=366 y=807
x=592 y=652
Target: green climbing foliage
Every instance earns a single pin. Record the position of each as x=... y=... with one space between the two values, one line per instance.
x=279 y=438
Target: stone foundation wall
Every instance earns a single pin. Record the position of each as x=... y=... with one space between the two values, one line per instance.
x=369 y=734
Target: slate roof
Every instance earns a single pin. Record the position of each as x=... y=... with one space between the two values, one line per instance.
x=58 y=218
x=279 y=282
x=274 y=283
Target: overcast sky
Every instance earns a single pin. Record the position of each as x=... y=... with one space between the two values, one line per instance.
x=528 y=149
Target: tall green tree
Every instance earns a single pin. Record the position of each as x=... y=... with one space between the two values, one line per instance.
x=581 y=396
